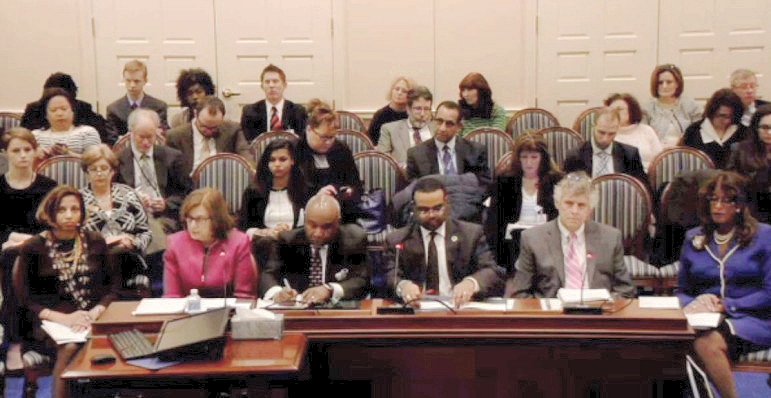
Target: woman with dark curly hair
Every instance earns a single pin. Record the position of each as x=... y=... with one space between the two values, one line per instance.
x=477 y=106
x=719 y=129
x=193 y=85
x=726 y=268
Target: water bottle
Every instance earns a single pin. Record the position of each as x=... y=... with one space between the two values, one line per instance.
x=193 y=304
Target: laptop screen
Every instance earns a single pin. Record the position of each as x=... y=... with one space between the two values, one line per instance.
x=192 y=329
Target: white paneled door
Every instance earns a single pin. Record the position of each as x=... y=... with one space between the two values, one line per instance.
x=232 y=40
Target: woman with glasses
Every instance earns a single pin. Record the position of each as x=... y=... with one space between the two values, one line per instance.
x=726 y=269
x=327 y=162
x=477 y=106
x=669 y=112
x=396 y=109
x=209 y=254
x=752 y=158
x=719 y=129
x=115 y=210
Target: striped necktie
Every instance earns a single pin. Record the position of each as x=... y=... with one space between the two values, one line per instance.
x=275 y=122
x=574 y=273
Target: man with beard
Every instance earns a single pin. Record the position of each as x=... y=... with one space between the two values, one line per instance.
x=399 y=136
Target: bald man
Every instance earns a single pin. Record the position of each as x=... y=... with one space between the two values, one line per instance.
x=324 y=260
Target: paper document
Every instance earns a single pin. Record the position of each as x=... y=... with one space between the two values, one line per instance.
x=550 y=304
x=577 y=296
x=485 y=305
x=704 y=320
x=160 y=306
x=660 y=303
x=63 y=334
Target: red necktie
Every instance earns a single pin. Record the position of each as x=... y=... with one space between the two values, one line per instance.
x=275 y=122
x=416 y=135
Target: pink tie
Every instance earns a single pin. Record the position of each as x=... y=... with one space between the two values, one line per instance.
x=573 y=271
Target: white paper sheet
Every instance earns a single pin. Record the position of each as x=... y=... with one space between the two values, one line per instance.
x=660 y=303
x=63 y=334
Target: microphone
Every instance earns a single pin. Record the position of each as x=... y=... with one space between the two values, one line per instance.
x=396 y=309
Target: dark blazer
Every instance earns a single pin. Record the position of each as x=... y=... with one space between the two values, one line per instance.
x=718 y=153
x=541 y=264
x=254 y=119
x=35 y=118
x=506 y=203
x=173 y=183
x=347 y=262
x=470 y=158
x=118 y=112
x=626 y=160
x=467 y=255
x=230 y=139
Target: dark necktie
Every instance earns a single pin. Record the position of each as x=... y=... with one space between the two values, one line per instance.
x=133 y=106
x=432 y=265
x=316 y=277
x=275 y=122
x=449 y=165
x=148 y=176
x=416 y=135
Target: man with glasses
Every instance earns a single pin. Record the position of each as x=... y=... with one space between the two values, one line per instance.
x=439 y=255
x=207 y=134
x=397 y=137
x=745 y=84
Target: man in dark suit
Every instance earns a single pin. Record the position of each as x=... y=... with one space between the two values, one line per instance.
x=274 y=112
x=323 y=259
x=745 y=84
x=207 y=134
x=571 y=251
x=603 y=155
x=135 y=78
x=438 y=254
x=448 y=154
x=160 y=183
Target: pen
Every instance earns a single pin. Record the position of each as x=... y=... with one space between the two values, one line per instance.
x=287 y=285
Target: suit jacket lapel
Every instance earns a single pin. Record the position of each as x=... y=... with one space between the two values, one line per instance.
x=593 y=243
x=414 y=256
x=451 y=245
x=127 y=167
x=161 y=173
x=433 y=162
x=461 y=152
x=618 y=159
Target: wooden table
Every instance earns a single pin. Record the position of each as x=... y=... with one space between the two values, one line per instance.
x=522 y=352
x=246 y=367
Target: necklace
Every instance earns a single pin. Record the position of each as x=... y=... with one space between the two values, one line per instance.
x=722 y=239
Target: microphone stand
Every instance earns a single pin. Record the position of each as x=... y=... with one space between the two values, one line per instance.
x=396 y=309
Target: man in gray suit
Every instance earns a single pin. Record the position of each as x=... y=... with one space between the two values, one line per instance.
x=207 y=134
x=438 y=254
x=571 y=251
x=399 y=136
x=135 y=78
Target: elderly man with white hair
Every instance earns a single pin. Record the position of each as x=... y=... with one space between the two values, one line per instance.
x=571 y=251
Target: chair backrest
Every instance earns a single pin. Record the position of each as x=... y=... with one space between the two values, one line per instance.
x=349 y=121
x=625 y=204
x=673 y=161
x=9 y=120
x=356 y=140
x=259 y=144
x=125 y=139
x=530 y=119
x=497 y=142
x=380 y=170
x=504 y=164
x=584 y=123
x=64 y=169
x=229 y=172
x=559 y=141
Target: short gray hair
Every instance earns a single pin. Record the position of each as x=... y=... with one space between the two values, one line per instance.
x=740 y=74
x=576 y=183
x=143 y=114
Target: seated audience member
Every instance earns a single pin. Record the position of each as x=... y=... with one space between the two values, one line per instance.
x=21 y=191
x=477 y=106
x=669 y=112
x=61 y=276
x=192 y=86
x=446 y=153
x=324 y=260
x=115 y=210
x=631 y=131
x=34 y=117
x=524 y=193
x=464 y=270
x=327 y=162
x=208 y=134
x=396 y=109
x=209 y=254
x=752 y=158
x=399 y=136
x=745 y=84
x=61 y=136
x=602 y=154
x=725 y=267
x=719 y=129
x=155 y=172
x=571 y=251
x=134 y=78
x=275 y=112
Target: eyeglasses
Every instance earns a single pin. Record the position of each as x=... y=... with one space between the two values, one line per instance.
x=197 y=220
x=723 y=116
x=721 y=199
x=325 y=138
x=421 y=109
x=448 y=123
x=746 y=87
x=99 y=170
x=429 y=210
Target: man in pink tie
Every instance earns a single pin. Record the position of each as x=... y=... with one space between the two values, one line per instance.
x=274 y=113
x=571 y=251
